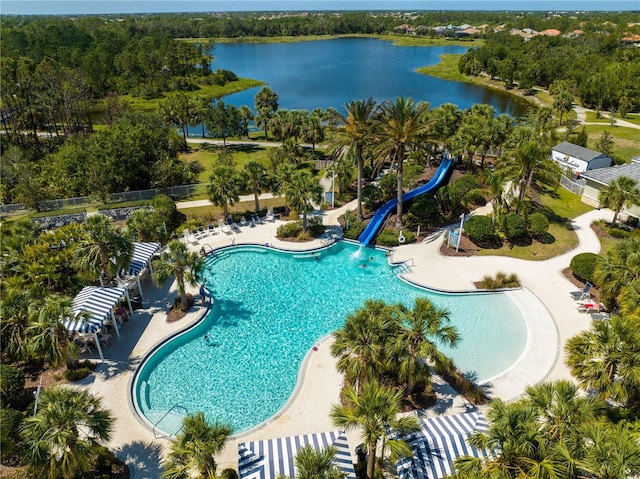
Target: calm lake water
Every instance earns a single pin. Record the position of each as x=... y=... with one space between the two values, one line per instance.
x=329 y=73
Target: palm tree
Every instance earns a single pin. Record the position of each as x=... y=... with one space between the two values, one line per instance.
x=613 y=450
x=359 y=344
x=225 y=185
x=525 y=163
x=301 y=192
x=245 y=117
x=619 y=193
x=447 y=119
x=357 y=121
x=178 y=108
x=102 y=248
x=15 y=300
x=562 y=409
x=146 y=225
x=629 y=300
x=48 y=337
x=415 y=344
x=64 y=437
x=617 y=268
x=195 y=447
x=401 y=126
x=312 y=463
x=202 y=109
x=266 y=104
x=257 y=179
x=563 y=103
x=606 y=359
x=183 y=264
x=374 y=411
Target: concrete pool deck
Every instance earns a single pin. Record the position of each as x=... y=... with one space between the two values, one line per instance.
x=551 y=314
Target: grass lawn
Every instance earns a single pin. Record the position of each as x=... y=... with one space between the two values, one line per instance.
x=632 y=118
x=560 y=207
x=207 y=214
x=242 y=154
x=208 y=91
x=626 y=140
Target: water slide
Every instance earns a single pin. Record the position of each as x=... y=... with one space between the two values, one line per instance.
x=369 y=234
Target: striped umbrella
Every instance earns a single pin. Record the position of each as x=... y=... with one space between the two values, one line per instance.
x=91 y=306
x=440 y=441
x=270 y=458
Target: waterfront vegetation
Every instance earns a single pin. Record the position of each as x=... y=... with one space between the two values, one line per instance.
x=56 y=71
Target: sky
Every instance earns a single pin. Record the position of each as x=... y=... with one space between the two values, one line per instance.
x=77 y=7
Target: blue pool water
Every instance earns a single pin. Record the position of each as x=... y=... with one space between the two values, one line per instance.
x=272 y=307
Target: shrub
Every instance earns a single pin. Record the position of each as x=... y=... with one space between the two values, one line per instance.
x=229 y=474
x=500 y=281
x=10 y=420
x=513 y=226
x=538 y=224
x=289 y=230
x=11 y=384
x=480 y=229
x=371 y=195
x=389 y=185
x=582 y=266
x=76 y=374
x=618 y=233
x=389 y=237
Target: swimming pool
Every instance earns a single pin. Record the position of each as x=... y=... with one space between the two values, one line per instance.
x=271 y=308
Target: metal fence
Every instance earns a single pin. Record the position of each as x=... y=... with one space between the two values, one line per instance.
x=176 y=192
x=576 y=187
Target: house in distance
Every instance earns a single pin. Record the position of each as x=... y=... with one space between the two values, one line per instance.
x=578 y=159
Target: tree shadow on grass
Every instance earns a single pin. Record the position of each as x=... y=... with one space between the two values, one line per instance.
x=143 y=458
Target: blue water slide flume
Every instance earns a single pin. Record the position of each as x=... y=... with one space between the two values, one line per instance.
x=370 y=233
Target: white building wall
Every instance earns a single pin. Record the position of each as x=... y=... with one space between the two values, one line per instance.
x=569 y=162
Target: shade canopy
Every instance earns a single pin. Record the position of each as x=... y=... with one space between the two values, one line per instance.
x=271 y=458
x=142 y=254
x=440 y=441
x=95 y=301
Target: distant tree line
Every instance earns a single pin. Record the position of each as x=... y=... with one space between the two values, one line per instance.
x=594 y=66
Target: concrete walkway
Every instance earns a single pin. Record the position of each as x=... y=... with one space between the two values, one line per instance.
x=551 y=317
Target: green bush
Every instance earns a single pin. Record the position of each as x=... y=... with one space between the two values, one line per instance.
x=389 y=237
x=229 y=474
x=11 y=384
x=618 y=233
x=76 y=374
x=513 y=226
x=538 y=224
x=371 y=195
x=480 y=229
x=582 y=266
x=389 y=185
x=500 y=281
x=289 y=230
x=10 y=420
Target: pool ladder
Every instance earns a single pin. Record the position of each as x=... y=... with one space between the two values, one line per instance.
x=157 y=433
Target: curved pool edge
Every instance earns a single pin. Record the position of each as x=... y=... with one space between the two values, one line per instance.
x=195 y=322
x=507 y=385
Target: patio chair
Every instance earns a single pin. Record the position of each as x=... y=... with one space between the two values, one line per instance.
x=232 y=224
x=243 y=221
x=270 y=216
x=582 y=294
x=212 y=230
x=256 y=219
x=590 y=307
x=224 y=228
x=189 y=237
x=200 y=233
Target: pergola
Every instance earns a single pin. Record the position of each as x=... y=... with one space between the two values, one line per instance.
x=91 y=307
x=141 y=258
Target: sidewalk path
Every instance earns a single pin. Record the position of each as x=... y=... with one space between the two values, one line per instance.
x=552 y=318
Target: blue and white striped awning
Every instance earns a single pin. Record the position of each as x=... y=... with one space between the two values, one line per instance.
x=95 y=301
x=142 y=254
x=440 y=441
x=271 y=458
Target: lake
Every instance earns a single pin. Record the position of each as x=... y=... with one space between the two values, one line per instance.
x=329 y=73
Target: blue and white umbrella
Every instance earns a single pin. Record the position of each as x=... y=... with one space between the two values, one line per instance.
x=271 y=458
x=142 y=254
x=91 y=307
x=440 y=441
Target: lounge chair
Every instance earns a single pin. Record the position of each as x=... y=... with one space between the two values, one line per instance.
x=256 y=219
x=200 y=233
x=224 y=228
x=189 y=237
x=590 y=307
x=582 y=294
x=601 y=316
x=234 y=226
x=243 y=221
x=212 y=230
x=270 y=216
